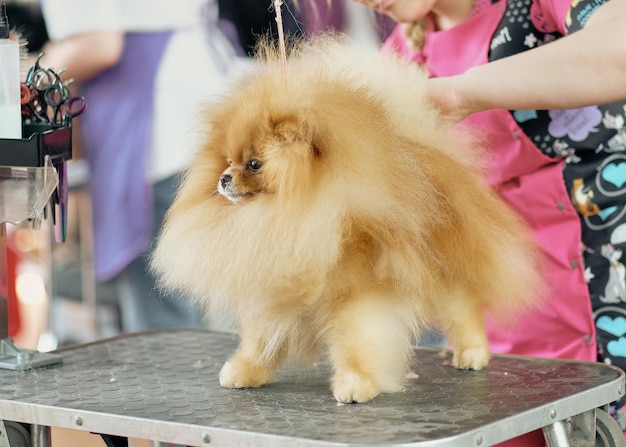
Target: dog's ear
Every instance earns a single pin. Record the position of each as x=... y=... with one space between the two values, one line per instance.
x=291 y=129
x=296 y=129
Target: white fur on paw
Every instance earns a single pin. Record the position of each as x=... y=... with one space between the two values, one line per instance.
x=352 y=388
x=471 y=358
x=230 y=377
x=239 y=374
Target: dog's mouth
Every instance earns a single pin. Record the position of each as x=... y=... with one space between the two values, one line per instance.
x=236 y=197
x=234 y=191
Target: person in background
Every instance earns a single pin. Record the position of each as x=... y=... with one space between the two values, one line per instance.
x=545 y=82
x=145 y=68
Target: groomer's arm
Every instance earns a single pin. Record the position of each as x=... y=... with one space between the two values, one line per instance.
x=85 y=55
x=585 y=68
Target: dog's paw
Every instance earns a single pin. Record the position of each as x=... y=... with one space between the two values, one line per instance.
x=471 y=358
x=349 y=387
x=239 y=375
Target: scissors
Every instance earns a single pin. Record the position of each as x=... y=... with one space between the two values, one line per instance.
x=46 y=99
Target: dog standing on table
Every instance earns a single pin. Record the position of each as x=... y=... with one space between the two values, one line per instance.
x=329 y=213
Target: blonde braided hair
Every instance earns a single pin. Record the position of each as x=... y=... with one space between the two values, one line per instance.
x=416 y=33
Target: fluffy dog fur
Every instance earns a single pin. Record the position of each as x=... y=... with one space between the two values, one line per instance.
x=329 y=213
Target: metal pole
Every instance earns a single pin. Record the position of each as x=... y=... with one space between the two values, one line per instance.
x=556 y=435
x=40 y=436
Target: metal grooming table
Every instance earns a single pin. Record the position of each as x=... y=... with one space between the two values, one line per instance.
x=163 y=386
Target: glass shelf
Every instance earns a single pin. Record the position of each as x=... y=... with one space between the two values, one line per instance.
x=25 y=191
x=31 y=172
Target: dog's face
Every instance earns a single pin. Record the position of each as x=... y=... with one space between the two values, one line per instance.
x=242 y=179
x=264 y=153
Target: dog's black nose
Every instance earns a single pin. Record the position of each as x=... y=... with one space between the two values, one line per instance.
x=225 y=180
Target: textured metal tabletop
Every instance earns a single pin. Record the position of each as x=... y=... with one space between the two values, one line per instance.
x=163 y=386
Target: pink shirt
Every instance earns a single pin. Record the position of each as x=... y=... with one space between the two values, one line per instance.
x=531 y=182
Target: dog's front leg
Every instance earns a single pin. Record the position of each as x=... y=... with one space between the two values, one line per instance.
x=370 y=348
x=256 y=360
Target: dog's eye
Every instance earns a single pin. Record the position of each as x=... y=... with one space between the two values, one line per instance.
x=253 y=166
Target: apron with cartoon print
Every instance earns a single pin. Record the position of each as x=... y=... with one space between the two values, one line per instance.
x=588 y=144
x=565 y=172
x=592 y=141
x=532 y=183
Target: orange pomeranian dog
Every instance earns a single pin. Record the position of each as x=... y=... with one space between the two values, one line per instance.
x=331 y=215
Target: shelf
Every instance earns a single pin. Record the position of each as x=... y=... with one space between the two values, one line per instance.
x=25 y=191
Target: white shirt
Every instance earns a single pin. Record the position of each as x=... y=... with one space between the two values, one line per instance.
x=66 y=18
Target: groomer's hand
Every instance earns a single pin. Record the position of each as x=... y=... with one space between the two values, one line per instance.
x=444 y=94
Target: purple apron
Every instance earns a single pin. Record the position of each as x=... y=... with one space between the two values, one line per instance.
x=116 y=132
